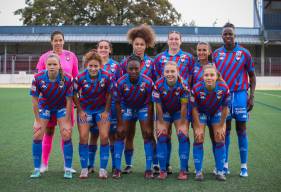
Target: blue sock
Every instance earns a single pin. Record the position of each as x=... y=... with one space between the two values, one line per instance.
x=184 y=146
x=112 y=156
x=155 y=159
x=128 y=156
x=37 y=153
x=92 y=155
x=104 y=155
x=169 y=150
x=243 y=146
x=148 y=148
x=68 y=153
x=227 y=143
x=198 y=154
x=162 y=151
x=118 y=150
x=84 y=155
x=220 y=156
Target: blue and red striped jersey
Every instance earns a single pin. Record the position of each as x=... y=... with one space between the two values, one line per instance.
x=93 y=92
x=134 y=96
x=184 y=60
x=209 y=102
x=234 y=66
x=52 y=95
x=146 y=67
x=170 y=98
x=113 y=68
x=197 y=72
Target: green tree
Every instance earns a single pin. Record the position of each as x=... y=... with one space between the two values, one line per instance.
x=97 y=12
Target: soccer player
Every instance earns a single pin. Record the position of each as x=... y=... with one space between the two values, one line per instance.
x=237 y=68
x=104 y=50
x=185 y=62
x=69 y=64
x=52 y=93
x=210 y=99
x=92 y=96
x=141 y=38
x=171 y=98
x=133 y=102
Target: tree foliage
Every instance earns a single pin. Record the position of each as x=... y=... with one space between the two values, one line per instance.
x=98 y=12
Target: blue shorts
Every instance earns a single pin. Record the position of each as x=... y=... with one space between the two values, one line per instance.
x=93 y=118
x=135 y=114
x=46 y=114
x=238 y=106
x=171 y=117
x=210 y=119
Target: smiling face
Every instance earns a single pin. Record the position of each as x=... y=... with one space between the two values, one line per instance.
x=53 y=66
x=139 y=46
x=93 y=68
x=210 y=77
x=171 y=73
x=228 y=36
x=133 y=69
x=203 y=52
x=57 y=43
x=174 y=41
x=104 y=49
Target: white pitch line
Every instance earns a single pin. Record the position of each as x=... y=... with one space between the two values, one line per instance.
x=279 y=96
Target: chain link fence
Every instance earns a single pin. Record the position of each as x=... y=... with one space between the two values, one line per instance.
x=13 y=64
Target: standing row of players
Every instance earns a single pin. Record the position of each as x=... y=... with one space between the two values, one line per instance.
x=110 y=97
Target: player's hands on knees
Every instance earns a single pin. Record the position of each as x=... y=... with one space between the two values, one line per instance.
x=199 y=134
x=82 y=115
x=161 y=130
x=182 y=129
x=36 y=125
x=104 y=117
x=220 y=134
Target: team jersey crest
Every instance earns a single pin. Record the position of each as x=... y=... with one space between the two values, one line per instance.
x=147 y=63
x=155 y=94
x=202 y=95
x=142 y=87
x=196 y=69
x=221 y=55
x=219 y=94
x=183 y=57
x=164 y=58
x=102 y=82
x=238 y=55
x=126 y=88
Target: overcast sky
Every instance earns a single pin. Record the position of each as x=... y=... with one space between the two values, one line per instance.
x=203 y=12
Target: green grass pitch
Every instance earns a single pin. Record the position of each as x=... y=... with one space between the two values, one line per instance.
x=264 y=130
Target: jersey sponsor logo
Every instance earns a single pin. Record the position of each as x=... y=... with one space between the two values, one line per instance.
x=155 y=95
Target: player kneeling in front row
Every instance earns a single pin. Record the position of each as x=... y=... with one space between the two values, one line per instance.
x=52 y=93
x=133 y=102
x=210 y=99
x=171 y=98
x=92 y=97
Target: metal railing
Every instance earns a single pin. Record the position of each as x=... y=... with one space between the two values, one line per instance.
x=13 y=64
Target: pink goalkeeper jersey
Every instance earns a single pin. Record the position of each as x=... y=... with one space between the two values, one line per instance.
x=68 y=60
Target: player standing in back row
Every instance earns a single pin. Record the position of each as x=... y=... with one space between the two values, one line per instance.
x=236 y=67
